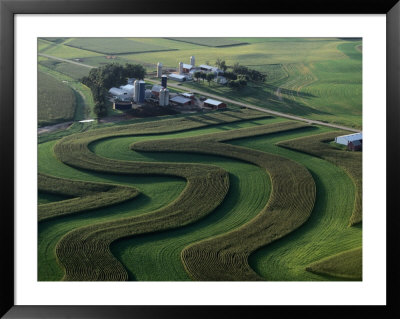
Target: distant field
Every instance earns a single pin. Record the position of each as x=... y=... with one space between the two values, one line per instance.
x=56 y=101
x=63 y=51
x=115 y=45
x=211 y=42
x=74 y=71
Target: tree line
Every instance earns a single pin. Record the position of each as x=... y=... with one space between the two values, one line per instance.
x=101 y=79
x=237 y=78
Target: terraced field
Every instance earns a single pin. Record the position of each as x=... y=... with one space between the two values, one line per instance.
x=189 y=198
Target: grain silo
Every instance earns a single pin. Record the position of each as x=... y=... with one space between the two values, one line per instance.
x=164 y=81
x=136 y=91
x=142 y=91
x=192 y=61
x=159 y=69
x=166 y=99
x=180 y=67
x=161 y=97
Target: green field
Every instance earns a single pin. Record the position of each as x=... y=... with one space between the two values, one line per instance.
x=233 y=195
x=56 y=101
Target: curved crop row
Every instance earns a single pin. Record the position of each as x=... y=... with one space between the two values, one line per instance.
x=87 y=196
x=225 y=257
x=350 y=162
x=84 y=252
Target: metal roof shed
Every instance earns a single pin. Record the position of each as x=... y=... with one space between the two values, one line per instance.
x=346 y=139
x=181 y=100
x=177 y=77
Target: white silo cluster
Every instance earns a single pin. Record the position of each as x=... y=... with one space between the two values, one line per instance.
x=192 y=61
x=159 y=69
x=180 y=68
x=164 y=97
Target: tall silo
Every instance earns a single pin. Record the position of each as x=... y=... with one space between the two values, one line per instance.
x=192 y=61
x=161 y=97
x=159 y=69
x=166 y=98
x=136 y=91
x=180 y=67
x=164 y=81
x=142 y=91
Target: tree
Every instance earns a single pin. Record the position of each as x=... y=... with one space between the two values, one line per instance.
x=197 y=75
x=100 y=109
x=221 y=64
x=230 y=75
x=210 y=77
x=136 y=71
x=203 y=76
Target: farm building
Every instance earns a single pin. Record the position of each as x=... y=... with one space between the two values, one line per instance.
x=128 y=88
x=188 y=95
x=355 y=145
x=155 y=90
x=181 y=101
x=177 y=77
x=345 y=139
x=186 y=68
x=122 y=105
x=209 y=68
x=120 y=94
x=214 y=104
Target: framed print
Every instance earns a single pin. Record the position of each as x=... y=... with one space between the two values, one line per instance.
x=170 y=161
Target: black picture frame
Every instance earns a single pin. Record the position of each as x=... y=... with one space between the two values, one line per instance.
x=9 y=8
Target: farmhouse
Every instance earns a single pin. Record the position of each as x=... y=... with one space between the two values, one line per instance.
x=214 y=104
x=352 y=141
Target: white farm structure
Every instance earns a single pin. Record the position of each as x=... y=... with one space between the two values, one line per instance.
x=346 y=139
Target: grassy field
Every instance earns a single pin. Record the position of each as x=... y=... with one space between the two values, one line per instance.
x=56 y=101
x=115 y=45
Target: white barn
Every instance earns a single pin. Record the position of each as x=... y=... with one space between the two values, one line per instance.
x=346 y=139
